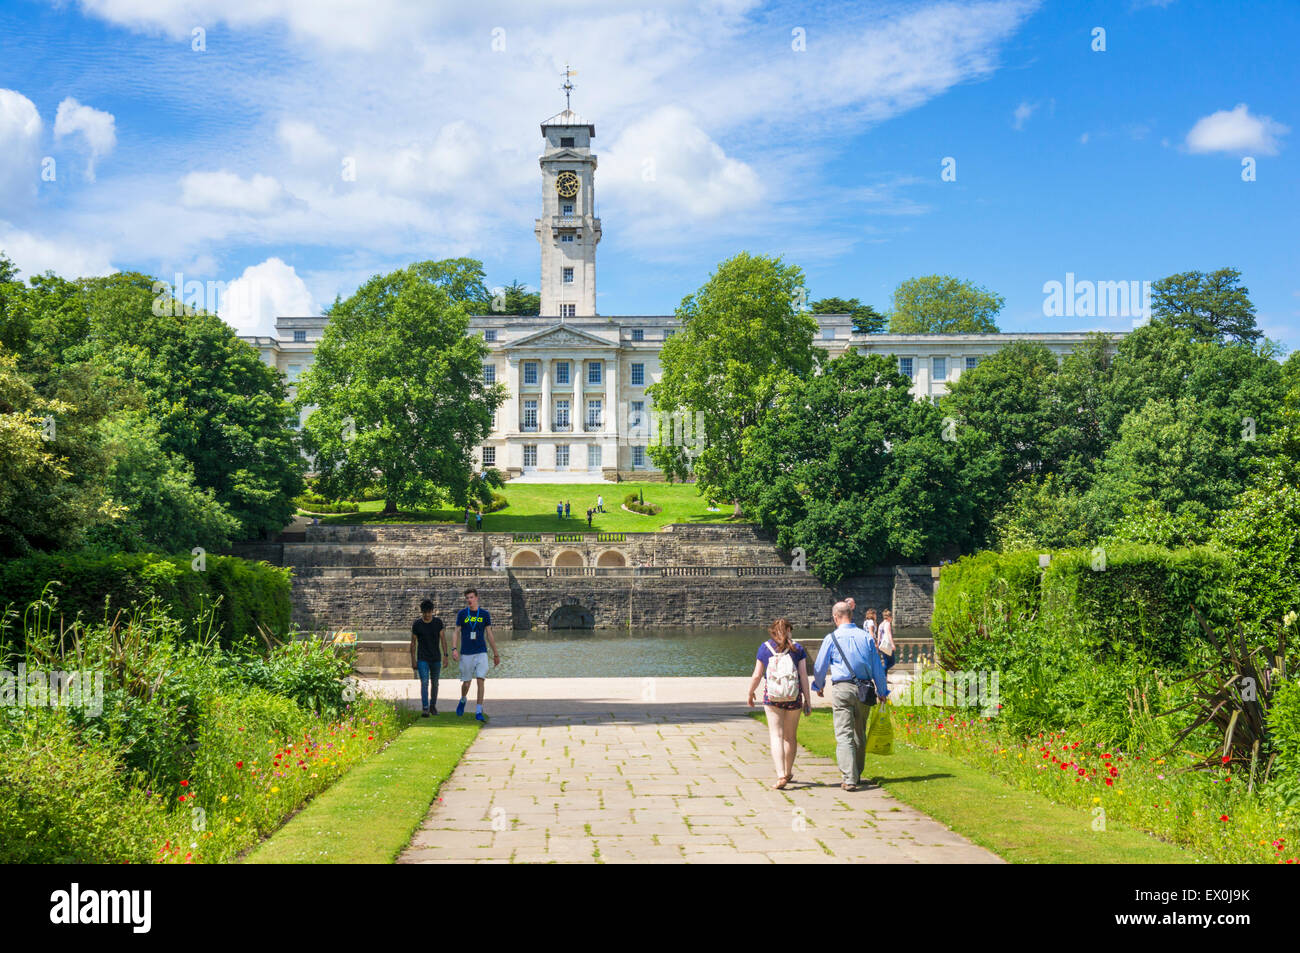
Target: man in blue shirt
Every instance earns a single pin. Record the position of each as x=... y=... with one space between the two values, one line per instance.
x=849 y=656
x=475 y=636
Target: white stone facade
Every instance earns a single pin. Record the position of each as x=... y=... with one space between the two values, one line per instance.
x=577 y=408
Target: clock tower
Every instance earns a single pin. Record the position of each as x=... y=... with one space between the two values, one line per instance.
x=568 y=230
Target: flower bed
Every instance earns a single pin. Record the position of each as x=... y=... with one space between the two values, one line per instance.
x=1211 y=813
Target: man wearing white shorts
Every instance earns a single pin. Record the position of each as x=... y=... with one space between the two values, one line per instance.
x=475 y=625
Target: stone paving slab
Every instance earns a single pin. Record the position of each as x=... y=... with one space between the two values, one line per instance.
x=609 y=771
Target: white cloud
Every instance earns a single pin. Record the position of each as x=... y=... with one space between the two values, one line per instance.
x=1022 y=114
x=1236 y=131
x=254 y=299
x=259 y=195
x=20 y=140
x=98 y=129
x=1083 y=139
x=70 y=258
x=666 y=165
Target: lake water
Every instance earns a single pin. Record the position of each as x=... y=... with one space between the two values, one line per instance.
x=606 y=653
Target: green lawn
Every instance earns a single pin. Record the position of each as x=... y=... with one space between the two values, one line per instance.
x=532 y=509
x=1020 y=826
x=372 y=812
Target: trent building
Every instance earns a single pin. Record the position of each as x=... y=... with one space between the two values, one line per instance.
x=577 y=409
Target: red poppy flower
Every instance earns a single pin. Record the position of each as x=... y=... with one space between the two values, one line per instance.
x=239 y=764
x=185 y=784
x=1110 y=782
x=1225 y=759
x=1223 y=817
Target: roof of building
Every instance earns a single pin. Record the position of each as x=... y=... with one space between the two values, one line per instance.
x=568 y=118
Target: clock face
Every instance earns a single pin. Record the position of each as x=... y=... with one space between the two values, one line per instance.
x=566 y=183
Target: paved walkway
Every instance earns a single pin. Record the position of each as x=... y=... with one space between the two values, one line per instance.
x=671 y=770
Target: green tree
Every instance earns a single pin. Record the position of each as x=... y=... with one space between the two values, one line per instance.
x=398 y=392
x=866 y=319
x=942 y=304
x=1213 y=307
x=848 y=467
x=517 y=299
x=159 y=507
x=741 y=336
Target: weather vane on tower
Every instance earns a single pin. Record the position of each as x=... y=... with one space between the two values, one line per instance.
x=568 y=84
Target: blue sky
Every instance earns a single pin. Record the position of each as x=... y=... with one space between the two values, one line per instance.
x=224 y=163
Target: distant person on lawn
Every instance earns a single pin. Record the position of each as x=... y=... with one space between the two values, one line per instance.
x=783 y=664
x=475 y=625
x=588 y=519
x=849 y=656
x=566 y=509
x=478 y=520
x=600 y=503
x=428 y=646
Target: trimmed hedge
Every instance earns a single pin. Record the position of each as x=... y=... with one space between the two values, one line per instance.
x=1141 y=598
x=252 y=594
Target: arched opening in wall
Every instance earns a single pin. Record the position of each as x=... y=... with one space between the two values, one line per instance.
x=525 y=558
x=611 y=559
x=571 y=617
x=568 y=558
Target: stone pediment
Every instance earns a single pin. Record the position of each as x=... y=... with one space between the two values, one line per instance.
x=560 y=336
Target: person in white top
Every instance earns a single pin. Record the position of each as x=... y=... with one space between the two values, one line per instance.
x=869 y=622
x=885 y=639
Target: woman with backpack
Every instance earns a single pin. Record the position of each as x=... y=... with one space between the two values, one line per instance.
x=783 y=664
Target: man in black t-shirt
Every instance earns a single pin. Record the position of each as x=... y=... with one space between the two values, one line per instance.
x=428 y=646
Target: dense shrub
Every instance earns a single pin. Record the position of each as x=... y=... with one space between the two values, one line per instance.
x=976 y=589
x=62 y=801
x=245 y=596
x=633 y=503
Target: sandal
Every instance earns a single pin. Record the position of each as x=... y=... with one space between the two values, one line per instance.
x=780 y=783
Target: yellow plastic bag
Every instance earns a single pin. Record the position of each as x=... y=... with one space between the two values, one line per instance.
x=880 y=731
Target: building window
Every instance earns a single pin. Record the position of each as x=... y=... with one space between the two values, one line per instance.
x=530 y=372
x=593 y=456
x=593 y=372
x=593 y=414
x=562 y=455
x=828 y=334
x=295 y=371
x=905 y=367
x=638 y=457
x=562 y=372
x=489 y=373
x=489 y=456
x=561 y=415
x=568 y=310
x=638 y=375
x=490 y=335
x=940 y=368
x=669 y=332
x=566 y=141
x=972 y=363
x=636 y=421
x=567 y=276
x=530 y=415
x=638 y=334
x=530 y=455
x=566 y=236
x=299 y=337
x=567 y=209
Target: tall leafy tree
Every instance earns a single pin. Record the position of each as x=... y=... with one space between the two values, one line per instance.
x=848 y=467
x=398 y=394
x=942 y=304
x=866 y=319
x=741 y=335
x=1214 y=306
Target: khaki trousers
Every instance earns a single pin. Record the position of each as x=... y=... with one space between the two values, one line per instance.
x=850 y=719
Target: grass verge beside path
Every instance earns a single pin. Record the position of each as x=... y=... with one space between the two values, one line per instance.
x=370 y=815
x=1020 y=826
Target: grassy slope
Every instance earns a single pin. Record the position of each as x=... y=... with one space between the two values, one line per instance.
x=372 y=812
x=1019 y=826
x=532 y=508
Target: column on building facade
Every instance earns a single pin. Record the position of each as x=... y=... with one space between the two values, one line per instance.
x=544 y=411
x=510 y=420
x=577 y=415
x=611 y=395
